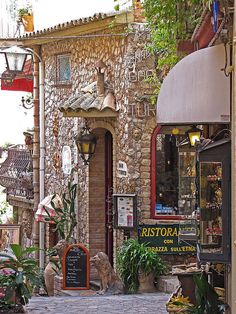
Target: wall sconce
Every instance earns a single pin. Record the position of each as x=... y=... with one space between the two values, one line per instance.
x=194 y=135
x=15 y=58
x=86 y=143
x=27 y=102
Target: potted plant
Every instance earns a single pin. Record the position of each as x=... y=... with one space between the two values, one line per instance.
x=19 y=274
x=25 y=16
x=208 y=301
x=138 y=266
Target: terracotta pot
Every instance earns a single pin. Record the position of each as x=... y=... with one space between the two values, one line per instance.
x=28 y=22
x=146 y=282
x=49 y=275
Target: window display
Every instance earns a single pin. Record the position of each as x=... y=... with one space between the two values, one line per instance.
x=214 y=166
x=187 y=177
x=211 y=206
x=175 y=173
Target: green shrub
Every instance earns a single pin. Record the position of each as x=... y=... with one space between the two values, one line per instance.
x=132 y=258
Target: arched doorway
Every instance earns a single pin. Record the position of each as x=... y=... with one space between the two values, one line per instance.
x=100 y=196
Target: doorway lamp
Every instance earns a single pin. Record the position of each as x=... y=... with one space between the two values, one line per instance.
x=194 y=135
x=86 y=143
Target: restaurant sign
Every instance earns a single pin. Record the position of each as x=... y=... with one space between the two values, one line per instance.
x=164 y=239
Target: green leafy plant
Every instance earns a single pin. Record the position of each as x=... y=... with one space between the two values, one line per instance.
x=65 y=218
x=19 y=274
x=208 y=301
x=24 y=11
x=133 y=257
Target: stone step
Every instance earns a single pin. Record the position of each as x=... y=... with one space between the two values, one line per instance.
x=167 y=284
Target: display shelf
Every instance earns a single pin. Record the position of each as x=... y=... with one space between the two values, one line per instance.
x=187 y=177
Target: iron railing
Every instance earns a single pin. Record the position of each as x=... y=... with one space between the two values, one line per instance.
x=16 y=172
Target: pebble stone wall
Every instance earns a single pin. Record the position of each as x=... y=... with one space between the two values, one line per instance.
x=129 y=65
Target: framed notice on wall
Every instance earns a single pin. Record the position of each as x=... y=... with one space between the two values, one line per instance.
x=125 y=206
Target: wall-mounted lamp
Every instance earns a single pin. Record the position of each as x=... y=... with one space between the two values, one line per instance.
x=86 y=143
x=194 y=135
x=15 y=58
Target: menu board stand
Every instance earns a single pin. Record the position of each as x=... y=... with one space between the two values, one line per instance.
x=75 y=266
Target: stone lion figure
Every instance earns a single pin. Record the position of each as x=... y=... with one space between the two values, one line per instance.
x=109 y=281
x=60 y=248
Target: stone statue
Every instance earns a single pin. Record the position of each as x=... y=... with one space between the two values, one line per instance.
x=109 y=281
x=60 y=248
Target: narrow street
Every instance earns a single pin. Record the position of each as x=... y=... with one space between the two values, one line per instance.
x=133 y=304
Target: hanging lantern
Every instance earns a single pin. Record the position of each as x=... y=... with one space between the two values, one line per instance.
x=194 y=135
x=86 y=143
x=15 y=58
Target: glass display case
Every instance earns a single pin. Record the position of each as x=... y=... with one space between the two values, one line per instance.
x=187 y=178
x=214 y=167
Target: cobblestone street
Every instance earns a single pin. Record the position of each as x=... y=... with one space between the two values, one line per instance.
x=133 y=304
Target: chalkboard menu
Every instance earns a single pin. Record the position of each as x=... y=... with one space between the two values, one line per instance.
x=76 y=268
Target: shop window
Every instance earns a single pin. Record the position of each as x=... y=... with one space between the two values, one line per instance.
x=173 y=173
x=63 y=69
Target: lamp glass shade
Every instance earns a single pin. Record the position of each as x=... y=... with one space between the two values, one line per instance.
x=15 y=58
x=86 y=143
x=194 y=135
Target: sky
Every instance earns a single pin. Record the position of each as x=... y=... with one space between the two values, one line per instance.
x=14 y=120
x=68 y=10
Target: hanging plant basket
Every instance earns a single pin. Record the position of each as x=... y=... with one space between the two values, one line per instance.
x=28 y=22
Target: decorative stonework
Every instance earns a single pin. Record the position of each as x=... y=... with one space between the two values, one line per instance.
x=128 y=67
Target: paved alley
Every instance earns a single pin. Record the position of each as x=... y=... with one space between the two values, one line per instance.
x=132 y=304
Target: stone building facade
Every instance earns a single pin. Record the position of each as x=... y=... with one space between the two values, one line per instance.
x=124 y=131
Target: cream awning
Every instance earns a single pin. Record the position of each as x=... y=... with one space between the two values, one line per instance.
x=196 y=90
x=41 y=214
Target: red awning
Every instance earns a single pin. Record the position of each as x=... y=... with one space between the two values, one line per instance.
x=22 y=82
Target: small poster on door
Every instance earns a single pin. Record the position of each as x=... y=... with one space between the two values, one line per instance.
x=125 y=206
